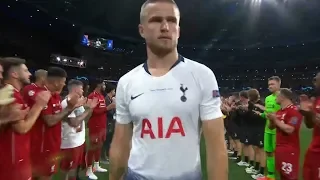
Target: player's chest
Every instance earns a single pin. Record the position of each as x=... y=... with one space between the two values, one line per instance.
x=270 y=104
x=101 y=102
x=56 y=105
x=281 y=116
x=174 y=97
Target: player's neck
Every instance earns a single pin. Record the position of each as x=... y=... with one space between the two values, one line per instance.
x=162 y=62
x=15 y=83
x=39 y=84
x=276 y=92
x=285 y=104
x=50 y=88
x=97 y=90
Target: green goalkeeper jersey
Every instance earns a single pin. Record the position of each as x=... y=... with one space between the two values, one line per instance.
x=271 y=106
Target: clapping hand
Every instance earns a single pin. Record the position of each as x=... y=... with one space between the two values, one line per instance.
x=43 y=98
x=12 y=113
x=92 y=103
x=6 y=95
x=305 y=105
x=271 y=116
x=81 y=102
x=73 y=101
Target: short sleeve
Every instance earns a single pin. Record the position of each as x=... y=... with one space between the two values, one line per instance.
x=294 y=118
x=122 y=108
x=210 y=102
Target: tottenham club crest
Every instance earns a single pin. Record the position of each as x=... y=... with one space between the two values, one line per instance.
x=183 y=98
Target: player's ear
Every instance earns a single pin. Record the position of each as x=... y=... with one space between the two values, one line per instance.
x=141 y=32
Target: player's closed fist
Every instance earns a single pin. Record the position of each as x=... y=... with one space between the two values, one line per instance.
x=6 y=95
x=42 y=98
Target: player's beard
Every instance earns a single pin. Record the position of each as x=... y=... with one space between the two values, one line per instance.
x=24 y=81
x=160 y=49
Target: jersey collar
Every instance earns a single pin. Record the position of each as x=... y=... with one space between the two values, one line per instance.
x=33 y=84
x=180 y=59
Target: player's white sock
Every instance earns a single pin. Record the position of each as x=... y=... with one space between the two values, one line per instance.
x=90 y=173
x=97 y=168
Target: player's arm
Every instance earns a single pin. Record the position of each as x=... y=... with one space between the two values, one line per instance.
x=52 y=119
x=111 y=106
x=213 y=128
x=264 y=113
x=74 y=119
x=294 y=122
x=25 y=125
x=120 y=146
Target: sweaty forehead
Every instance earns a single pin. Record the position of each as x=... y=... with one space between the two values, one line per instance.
x=161 y=10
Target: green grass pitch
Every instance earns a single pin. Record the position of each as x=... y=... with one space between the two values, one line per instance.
x=235 y=172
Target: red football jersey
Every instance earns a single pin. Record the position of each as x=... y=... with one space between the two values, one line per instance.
x=44 y=138
x=29 y=92
x=99 y=115
x=15 y=147
x=291 y=116
x=315 y=143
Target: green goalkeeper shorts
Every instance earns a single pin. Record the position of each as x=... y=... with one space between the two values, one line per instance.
x=269 y=142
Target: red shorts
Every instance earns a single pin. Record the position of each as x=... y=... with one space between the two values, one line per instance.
x=72 y=158
x=311 y=167
x=287 y=164
x=97 y=136
x=20 y=171
x=45 y=163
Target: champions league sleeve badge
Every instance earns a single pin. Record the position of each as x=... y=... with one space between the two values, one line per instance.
x=215 y=93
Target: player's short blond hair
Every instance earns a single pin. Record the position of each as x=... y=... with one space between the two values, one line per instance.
x=287 y=93
x=145 y=4
x=275 y=78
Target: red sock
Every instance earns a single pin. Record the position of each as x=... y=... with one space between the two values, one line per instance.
x=97 y=155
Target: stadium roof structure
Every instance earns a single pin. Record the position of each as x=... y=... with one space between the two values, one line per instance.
x=210 y=23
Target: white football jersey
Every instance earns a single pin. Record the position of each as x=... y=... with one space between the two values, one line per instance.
x=72 y=137
x=165 y=114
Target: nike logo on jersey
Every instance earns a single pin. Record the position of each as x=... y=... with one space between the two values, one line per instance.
x=134 y=97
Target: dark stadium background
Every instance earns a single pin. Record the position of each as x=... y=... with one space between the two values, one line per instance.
x=243 y=42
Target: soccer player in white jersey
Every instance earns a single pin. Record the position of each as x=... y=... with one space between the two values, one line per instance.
x=73 y=132
x=158 y=107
